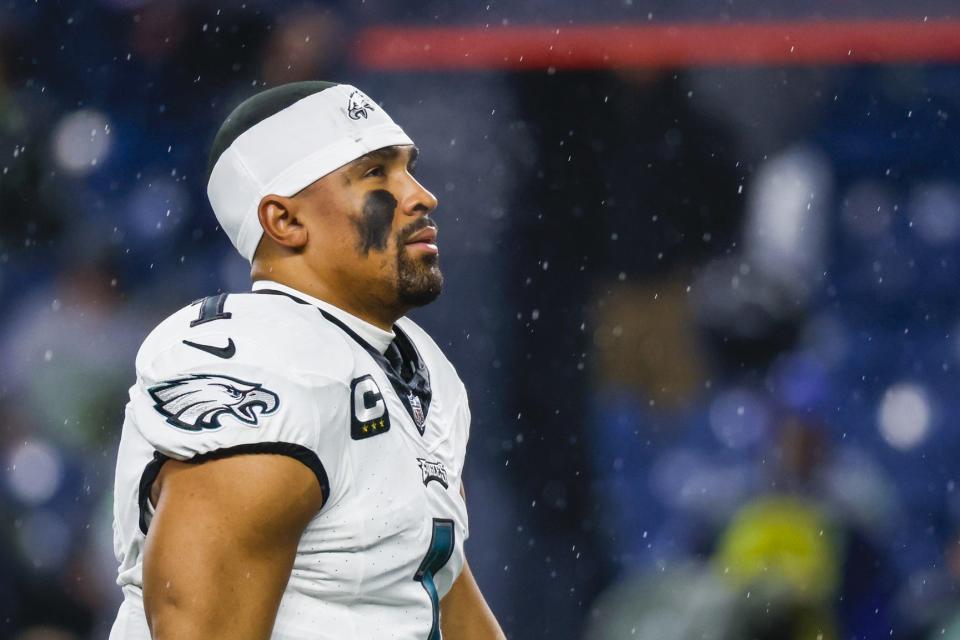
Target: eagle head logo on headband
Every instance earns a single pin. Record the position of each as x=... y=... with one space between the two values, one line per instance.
x=281 y=140
x=358 y=105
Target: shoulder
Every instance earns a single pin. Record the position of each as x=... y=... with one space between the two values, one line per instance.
x=270 y=332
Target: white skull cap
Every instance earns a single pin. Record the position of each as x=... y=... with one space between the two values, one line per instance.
x=283 y=139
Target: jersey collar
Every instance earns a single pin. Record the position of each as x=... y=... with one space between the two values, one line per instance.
x=375 y=336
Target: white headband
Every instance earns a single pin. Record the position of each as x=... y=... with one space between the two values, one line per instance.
x=291 y=149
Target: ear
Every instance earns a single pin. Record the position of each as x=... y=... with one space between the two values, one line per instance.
x=278 y=217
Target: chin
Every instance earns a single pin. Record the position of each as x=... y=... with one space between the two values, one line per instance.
x=419 y=284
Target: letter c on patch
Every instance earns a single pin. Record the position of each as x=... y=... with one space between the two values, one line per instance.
x=368 y=409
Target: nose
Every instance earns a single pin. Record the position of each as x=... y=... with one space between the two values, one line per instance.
x=417 y=199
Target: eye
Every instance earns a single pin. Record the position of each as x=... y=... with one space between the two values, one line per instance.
x=375 y=172
x=234 y=393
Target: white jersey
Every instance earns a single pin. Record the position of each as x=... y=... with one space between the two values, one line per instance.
x=275 y=371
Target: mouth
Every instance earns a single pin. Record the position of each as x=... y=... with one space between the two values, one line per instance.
x=247 y=410
x=424 y=240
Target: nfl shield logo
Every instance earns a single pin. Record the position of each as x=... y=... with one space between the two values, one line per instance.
x=417 y=409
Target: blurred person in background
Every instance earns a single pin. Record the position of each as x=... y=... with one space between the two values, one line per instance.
x=43 y=351
x=305 y=43
x=723 y=500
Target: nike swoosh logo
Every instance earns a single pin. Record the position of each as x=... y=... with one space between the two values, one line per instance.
x=221 y=352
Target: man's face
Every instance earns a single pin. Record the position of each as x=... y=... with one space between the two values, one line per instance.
x=370 y=228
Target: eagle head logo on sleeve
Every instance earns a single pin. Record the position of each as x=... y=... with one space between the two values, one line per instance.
x=198 y=401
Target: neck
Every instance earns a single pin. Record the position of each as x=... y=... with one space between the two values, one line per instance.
x=367 y=309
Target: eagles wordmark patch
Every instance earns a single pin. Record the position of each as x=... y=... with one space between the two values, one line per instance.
x=198 y=401
x=433 y=470
x=368 y=409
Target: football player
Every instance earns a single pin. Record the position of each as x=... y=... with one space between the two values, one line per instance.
x=291 y=457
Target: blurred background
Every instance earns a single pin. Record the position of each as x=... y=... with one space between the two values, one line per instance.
x=702 y=264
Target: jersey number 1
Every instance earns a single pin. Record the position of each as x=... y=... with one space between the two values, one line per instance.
x=211 y=308
x=440 y=550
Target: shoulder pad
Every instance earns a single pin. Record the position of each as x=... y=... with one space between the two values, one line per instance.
x=272 y=332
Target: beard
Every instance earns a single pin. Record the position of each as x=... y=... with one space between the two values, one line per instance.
x=419 y=281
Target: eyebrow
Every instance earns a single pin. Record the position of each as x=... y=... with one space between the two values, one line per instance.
x=389 y=153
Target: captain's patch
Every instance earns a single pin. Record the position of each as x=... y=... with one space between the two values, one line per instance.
x=368 y=410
